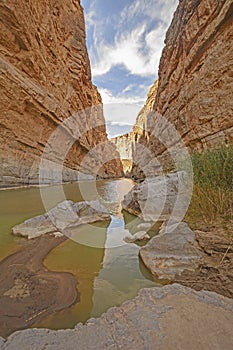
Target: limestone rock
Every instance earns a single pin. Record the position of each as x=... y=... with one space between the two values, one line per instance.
x=170 y=317
x=144 y=226
x=171 y=252
x=138 y=236
x=157 y=198
x=124 y=145
x=34 y=227
x=65 y=215
x=45 y=79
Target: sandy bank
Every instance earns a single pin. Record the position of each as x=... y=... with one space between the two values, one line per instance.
x=28 y=291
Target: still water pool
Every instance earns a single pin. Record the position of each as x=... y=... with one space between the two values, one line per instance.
x=106 y=276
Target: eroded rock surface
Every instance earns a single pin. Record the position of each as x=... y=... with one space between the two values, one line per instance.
x=65 y=215
x=45 y=79
x=158 y=198
x=138 y=236
x=173 y=251
x=171 y=317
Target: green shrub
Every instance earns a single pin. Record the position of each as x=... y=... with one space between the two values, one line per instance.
x=213 y=184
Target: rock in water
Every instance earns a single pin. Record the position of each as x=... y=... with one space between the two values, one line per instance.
x=157 y=198
x=171 y=252
x=170 y=317
x=138 y=236
x=65 y=215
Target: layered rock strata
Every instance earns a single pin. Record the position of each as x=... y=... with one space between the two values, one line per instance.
x=45 y=79
x=195 y=83
x=127 y=144
x=194 y=88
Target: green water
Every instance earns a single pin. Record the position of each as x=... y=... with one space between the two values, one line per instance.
x=106 y=276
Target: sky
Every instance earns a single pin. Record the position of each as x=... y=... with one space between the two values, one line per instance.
x=125 y=39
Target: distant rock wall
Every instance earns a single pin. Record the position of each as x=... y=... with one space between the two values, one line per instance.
x=45 y=78
x=124 y=145
x=127 y=144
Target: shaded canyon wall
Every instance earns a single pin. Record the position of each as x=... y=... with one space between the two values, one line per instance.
x=45 y=79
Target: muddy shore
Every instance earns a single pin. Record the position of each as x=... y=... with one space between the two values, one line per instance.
x=28 y=291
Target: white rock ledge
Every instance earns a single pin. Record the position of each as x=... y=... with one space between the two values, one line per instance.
x=65 y=215
x=171 y=317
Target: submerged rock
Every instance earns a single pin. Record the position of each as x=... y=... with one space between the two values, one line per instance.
x=65 y=215
x=170 y=317
x=171 y=252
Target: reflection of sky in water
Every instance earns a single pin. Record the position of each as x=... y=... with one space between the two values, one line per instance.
x=120 y=277
x=106 y=276
x=112 y=195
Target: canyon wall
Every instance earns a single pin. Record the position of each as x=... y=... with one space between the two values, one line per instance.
x=196 y=73
x=45 y=79
x=127 y=144
x=195 y=86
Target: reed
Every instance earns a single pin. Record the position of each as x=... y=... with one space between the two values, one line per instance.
x=213 y=185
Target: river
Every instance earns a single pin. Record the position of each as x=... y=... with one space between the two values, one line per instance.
x=108 y=272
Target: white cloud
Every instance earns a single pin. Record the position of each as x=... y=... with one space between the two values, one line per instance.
x=108 y=98
x=121 y=109
x=121 y=123
x=128 y=88
x=125 y=51
x=139 y=49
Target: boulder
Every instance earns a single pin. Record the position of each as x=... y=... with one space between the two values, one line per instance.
x=145 y=226
x=34 y=227
x=138 y=236
x=157 y=198
x=2 y=340
x=65 y=215
x=171 y=252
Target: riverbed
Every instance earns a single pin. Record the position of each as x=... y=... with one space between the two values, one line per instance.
x=108 y=271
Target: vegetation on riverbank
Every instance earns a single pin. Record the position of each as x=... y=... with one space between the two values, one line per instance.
x=212 y=198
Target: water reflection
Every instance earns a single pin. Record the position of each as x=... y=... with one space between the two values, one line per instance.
x=106 y=276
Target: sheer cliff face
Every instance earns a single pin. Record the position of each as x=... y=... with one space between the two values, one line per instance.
x=195 y=84
x=195 y=73
x=45 y=78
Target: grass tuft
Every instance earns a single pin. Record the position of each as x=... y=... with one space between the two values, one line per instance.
x=213 y=185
